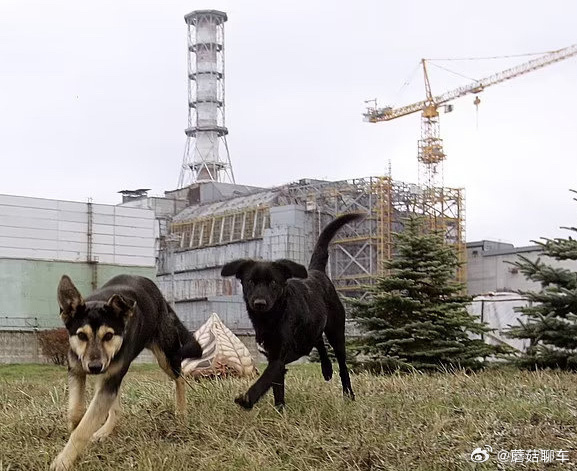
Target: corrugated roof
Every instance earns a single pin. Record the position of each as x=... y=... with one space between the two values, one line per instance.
x=255 y=200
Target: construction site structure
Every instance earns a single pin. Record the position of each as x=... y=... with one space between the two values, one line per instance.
x=435 y=203
x=284 y=222
x=206 y=155
x=360 y=252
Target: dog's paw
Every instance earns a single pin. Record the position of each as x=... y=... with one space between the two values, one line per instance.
x=327 y=371
x=350 y=395
x=61 y=463
x=244 y=401
x=101 y=435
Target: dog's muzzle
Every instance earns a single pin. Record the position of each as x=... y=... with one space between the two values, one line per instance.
x=95 y=367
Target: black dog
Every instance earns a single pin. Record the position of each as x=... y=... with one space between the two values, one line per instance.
x=289 y=314
x=106 y=332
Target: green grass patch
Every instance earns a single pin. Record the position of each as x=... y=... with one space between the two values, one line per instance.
x=399 y=422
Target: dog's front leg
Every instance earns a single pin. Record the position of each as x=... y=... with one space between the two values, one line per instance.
x=278 y=390
x=93 y=418
x=76 y=398
x=105 y=431
x=180 y=393
x=274 y=370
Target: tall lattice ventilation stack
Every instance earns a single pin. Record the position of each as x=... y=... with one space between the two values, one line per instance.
x=206 y=156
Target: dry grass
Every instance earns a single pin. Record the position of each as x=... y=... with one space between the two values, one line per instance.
x=400 y=422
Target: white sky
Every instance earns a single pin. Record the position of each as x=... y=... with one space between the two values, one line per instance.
x=93 y=99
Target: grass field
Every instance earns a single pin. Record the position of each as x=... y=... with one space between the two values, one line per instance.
x=399 y=422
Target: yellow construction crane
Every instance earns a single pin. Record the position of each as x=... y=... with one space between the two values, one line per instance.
x=443 y=208
x=430 y=148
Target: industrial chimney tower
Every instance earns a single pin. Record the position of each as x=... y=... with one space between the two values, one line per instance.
x=206 y=156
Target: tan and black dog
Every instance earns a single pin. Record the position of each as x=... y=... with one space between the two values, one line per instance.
x=106 y=332
x=290 y=309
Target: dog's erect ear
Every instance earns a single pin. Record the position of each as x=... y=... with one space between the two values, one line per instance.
x=69 y=298
x=237 y=267
x=291 y=269
x=121 y=306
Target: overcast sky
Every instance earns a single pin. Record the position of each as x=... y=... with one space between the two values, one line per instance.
x=93 y=99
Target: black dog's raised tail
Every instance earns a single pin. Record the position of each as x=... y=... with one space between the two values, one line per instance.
x=320 y=254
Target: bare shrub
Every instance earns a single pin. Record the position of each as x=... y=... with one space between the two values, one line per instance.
x=54 y=345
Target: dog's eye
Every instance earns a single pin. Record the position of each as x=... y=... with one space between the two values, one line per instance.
x=82 y=336
x=107 y=337
x=273 y=284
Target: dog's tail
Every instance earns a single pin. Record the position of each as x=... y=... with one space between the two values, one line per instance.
x=190 y=348
x=320 y=255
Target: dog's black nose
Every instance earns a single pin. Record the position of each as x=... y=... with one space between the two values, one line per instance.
x=259 y=304
x=95 y=367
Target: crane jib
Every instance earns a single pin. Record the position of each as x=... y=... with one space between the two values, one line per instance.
x=375 y=115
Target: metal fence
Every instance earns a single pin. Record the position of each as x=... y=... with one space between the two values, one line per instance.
x=26 y=323
x=18 y=323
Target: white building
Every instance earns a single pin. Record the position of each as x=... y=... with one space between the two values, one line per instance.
x=490 y=269
x=42 y=239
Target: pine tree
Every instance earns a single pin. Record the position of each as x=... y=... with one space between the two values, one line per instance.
x=416 y=317
x=550 y=323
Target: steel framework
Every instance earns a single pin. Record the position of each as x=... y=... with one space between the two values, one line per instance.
x=231 y=226
x=206 y=155
x=359 y=254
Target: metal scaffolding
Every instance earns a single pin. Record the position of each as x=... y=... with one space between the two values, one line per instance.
x=359 y=253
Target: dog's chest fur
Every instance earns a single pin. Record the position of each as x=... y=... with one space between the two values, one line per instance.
x=289 y=332
x=268 y=337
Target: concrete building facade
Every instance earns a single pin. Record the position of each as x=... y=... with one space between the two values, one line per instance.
x=224 y=222
x=42 y=239
x=191 y=278
x=490 y=269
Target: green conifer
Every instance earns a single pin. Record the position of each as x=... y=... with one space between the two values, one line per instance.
x=416 y=316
